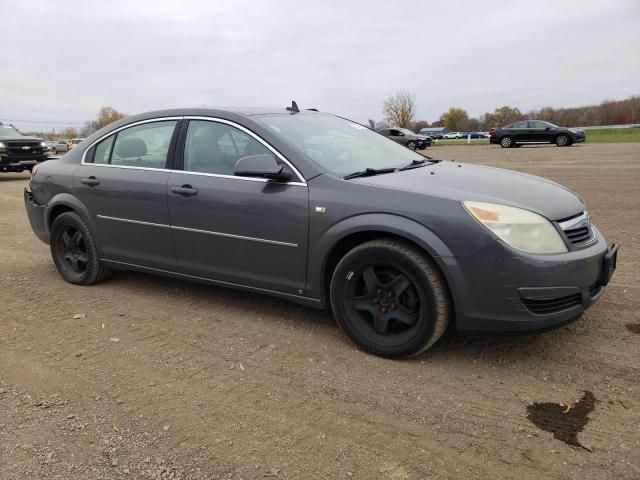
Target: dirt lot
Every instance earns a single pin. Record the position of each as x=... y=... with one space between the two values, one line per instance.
x=144 y=377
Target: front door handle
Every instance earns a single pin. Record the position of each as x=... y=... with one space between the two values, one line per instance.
x=185 y=190
x=91 y=181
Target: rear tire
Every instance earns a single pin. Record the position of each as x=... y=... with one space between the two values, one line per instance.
x=389 y=298
x=563 y=140
x=506 y=142
x=74 y=251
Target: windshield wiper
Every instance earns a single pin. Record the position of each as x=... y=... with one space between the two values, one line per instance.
x=369 y=172
x=419 y=163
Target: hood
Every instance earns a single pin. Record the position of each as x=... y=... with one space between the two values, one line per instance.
x=457 y=181
x=22 y=138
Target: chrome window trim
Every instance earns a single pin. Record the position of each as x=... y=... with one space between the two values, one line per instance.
x=302 y=182
x=195 y=230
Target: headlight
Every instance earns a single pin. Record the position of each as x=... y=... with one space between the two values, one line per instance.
x=2 y=145
x=43 y=144
x=522 y=229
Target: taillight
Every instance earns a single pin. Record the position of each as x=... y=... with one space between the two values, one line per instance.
x=492 y=132
x=34 y=170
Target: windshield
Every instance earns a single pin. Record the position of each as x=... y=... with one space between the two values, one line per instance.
x=339 y=145
x=8 y=132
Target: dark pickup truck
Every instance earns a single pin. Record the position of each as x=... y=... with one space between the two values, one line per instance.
x=19 y=152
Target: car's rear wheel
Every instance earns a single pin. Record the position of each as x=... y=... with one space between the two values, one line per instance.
x=411 y=145
x=74 y=250
x=389 y=298
x=563 y=140
x=506 y=142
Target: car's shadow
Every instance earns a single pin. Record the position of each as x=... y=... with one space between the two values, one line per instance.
x=14 y=177
x=478 y=347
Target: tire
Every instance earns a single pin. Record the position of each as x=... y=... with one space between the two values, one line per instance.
x=411 y=145
x=389 y=298
x=74 y=251
x=563 y=140
x=506 y=142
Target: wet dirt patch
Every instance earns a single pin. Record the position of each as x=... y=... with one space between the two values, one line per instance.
x=633 y=327
x=565 y=421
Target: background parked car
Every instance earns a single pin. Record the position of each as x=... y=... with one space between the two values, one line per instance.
x=406 y=137
x=535 y=131
x=59 y=146
x=452 y=135
x=73 y=142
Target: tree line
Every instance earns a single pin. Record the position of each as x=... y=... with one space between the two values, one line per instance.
x=106 y=115
x=399 y=110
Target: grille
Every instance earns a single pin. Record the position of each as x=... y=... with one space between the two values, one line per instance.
x=577 y=229
x=578 y=235
x=552 y=305
x=15 y=148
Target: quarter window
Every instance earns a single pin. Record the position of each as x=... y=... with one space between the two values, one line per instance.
x=213 y=147
x=103 y=151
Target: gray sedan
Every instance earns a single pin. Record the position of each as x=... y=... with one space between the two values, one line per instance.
x=319 y=210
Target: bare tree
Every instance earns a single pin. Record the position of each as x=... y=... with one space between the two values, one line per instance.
x=606 y=109
x=419 y=125
x=634 y=109
x=400 y=109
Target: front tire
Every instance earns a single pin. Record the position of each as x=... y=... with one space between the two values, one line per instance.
x=411 y=145
x=389 y=298
x=506 y=142
x=74 y=251
x=563 y=140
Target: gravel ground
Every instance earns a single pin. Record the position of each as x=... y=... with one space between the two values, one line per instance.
x=150 y=378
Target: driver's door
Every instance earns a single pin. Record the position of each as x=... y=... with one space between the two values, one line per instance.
x=240 y=230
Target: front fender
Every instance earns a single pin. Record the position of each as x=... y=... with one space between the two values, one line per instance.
x=395 y=225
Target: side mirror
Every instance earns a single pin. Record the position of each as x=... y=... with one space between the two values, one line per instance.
x=547 y=129
x=400 y=134
x=261 y=166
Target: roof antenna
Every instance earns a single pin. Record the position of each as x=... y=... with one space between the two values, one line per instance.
x=294 y=107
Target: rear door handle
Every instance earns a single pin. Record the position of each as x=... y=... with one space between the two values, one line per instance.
x=185 y=190
x=91 y=181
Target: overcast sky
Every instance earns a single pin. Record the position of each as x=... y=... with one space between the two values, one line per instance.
x=62 y=60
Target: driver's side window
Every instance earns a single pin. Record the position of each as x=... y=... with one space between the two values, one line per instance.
x=213 y=147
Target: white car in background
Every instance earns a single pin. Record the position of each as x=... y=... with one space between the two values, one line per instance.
x=452 y=135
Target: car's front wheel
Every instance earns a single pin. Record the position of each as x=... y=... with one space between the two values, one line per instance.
x=74 y=250
x=563 y=140
x=411 y=145
x=389 y=298
x=506 y=142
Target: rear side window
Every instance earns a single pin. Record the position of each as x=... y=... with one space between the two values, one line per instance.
x=144 y=145
x=213 y=147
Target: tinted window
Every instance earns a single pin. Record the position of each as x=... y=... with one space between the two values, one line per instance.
x=519 y=125
x=213 y=147
x=144 y=145
x=538 y=125
x=103 y=150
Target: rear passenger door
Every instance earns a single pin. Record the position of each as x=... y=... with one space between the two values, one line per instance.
x=122 y=180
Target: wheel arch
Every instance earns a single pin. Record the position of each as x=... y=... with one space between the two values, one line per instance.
x=65 y=202
x=347 y=234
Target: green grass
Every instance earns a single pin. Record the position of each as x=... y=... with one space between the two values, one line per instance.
x=612 y=135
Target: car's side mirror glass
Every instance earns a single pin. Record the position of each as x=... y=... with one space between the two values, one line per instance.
x=261 y=166
x=548 y=128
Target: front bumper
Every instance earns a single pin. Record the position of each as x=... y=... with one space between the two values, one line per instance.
x=18 y=164
x=36 y=213
x=501 y=290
